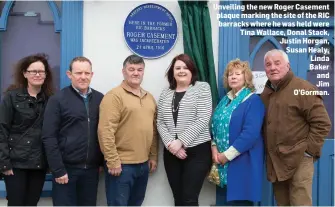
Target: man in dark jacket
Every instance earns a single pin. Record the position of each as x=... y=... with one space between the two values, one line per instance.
x=70 y=138
x=294 y=130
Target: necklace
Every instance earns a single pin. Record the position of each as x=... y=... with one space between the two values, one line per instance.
x=180 y=96
x=173 y=102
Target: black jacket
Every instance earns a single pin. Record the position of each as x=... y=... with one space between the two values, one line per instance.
x=21 y=119
x=70 y=131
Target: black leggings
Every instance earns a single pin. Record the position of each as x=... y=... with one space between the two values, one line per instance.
x=186 y=176
x=24 y=188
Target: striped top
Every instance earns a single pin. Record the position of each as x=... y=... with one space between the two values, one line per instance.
x=194 y=114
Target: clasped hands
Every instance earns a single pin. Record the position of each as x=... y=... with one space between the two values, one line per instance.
x=176 y=148
x=218 y=158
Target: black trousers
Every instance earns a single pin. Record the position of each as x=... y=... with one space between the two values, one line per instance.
x=24 y=188
x=186 y=176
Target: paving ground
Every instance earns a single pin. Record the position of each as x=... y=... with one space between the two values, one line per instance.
x=43 y=202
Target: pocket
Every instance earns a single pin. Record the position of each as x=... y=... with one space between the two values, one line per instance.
x=291 y=155
x=21 y=151
x=75 y=151
x=293 y=111
x=63 y=148
x=25 y=113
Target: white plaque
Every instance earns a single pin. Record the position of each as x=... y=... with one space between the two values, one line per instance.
x=259 y=80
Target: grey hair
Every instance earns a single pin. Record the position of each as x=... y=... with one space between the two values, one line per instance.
x=133 y=59
x=281 y=52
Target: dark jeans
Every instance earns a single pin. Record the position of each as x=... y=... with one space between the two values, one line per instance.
x=129 y=188
x=186 y=176
x=24 y=188
x=81 y=190
x=221 y=199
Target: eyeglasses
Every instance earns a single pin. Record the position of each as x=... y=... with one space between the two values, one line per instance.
x=34 y=72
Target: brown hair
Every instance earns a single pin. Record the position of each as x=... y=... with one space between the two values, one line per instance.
x=21 y=82
x=79 y=59
x=241 y=65
x=190 y=65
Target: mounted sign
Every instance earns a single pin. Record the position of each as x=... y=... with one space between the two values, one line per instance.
x=150 y=30
x=259 y=81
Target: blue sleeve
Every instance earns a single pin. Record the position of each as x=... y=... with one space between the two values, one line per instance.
x=51 y=128
x=252 y=126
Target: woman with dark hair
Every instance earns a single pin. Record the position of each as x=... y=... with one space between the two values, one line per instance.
x=184 y=111
x=22 y=159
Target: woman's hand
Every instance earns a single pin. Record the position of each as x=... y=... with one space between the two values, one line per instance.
x=215 y=154
x=175 y=146
x=181 y=154
x=222 y=158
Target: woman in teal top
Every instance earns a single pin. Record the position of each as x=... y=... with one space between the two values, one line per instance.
x=237 y=145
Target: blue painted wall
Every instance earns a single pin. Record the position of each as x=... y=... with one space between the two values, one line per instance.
x=71 y=36
x=69 y=23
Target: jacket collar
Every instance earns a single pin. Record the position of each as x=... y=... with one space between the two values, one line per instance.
x=282 y=84
x=23 y=92
x=126 y=87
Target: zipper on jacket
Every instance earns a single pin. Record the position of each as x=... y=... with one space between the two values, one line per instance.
x=86 y=101
x=88 y=140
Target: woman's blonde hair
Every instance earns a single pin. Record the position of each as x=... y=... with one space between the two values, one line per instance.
x=241 y=65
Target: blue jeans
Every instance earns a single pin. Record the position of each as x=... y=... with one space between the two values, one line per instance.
x=81 y=190
x=221 y=199
x=129 y=188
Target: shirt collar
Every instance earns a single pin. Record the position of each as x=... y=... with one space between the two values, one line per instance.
x=126 y=87
x=231 y=96
x=89 y=91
